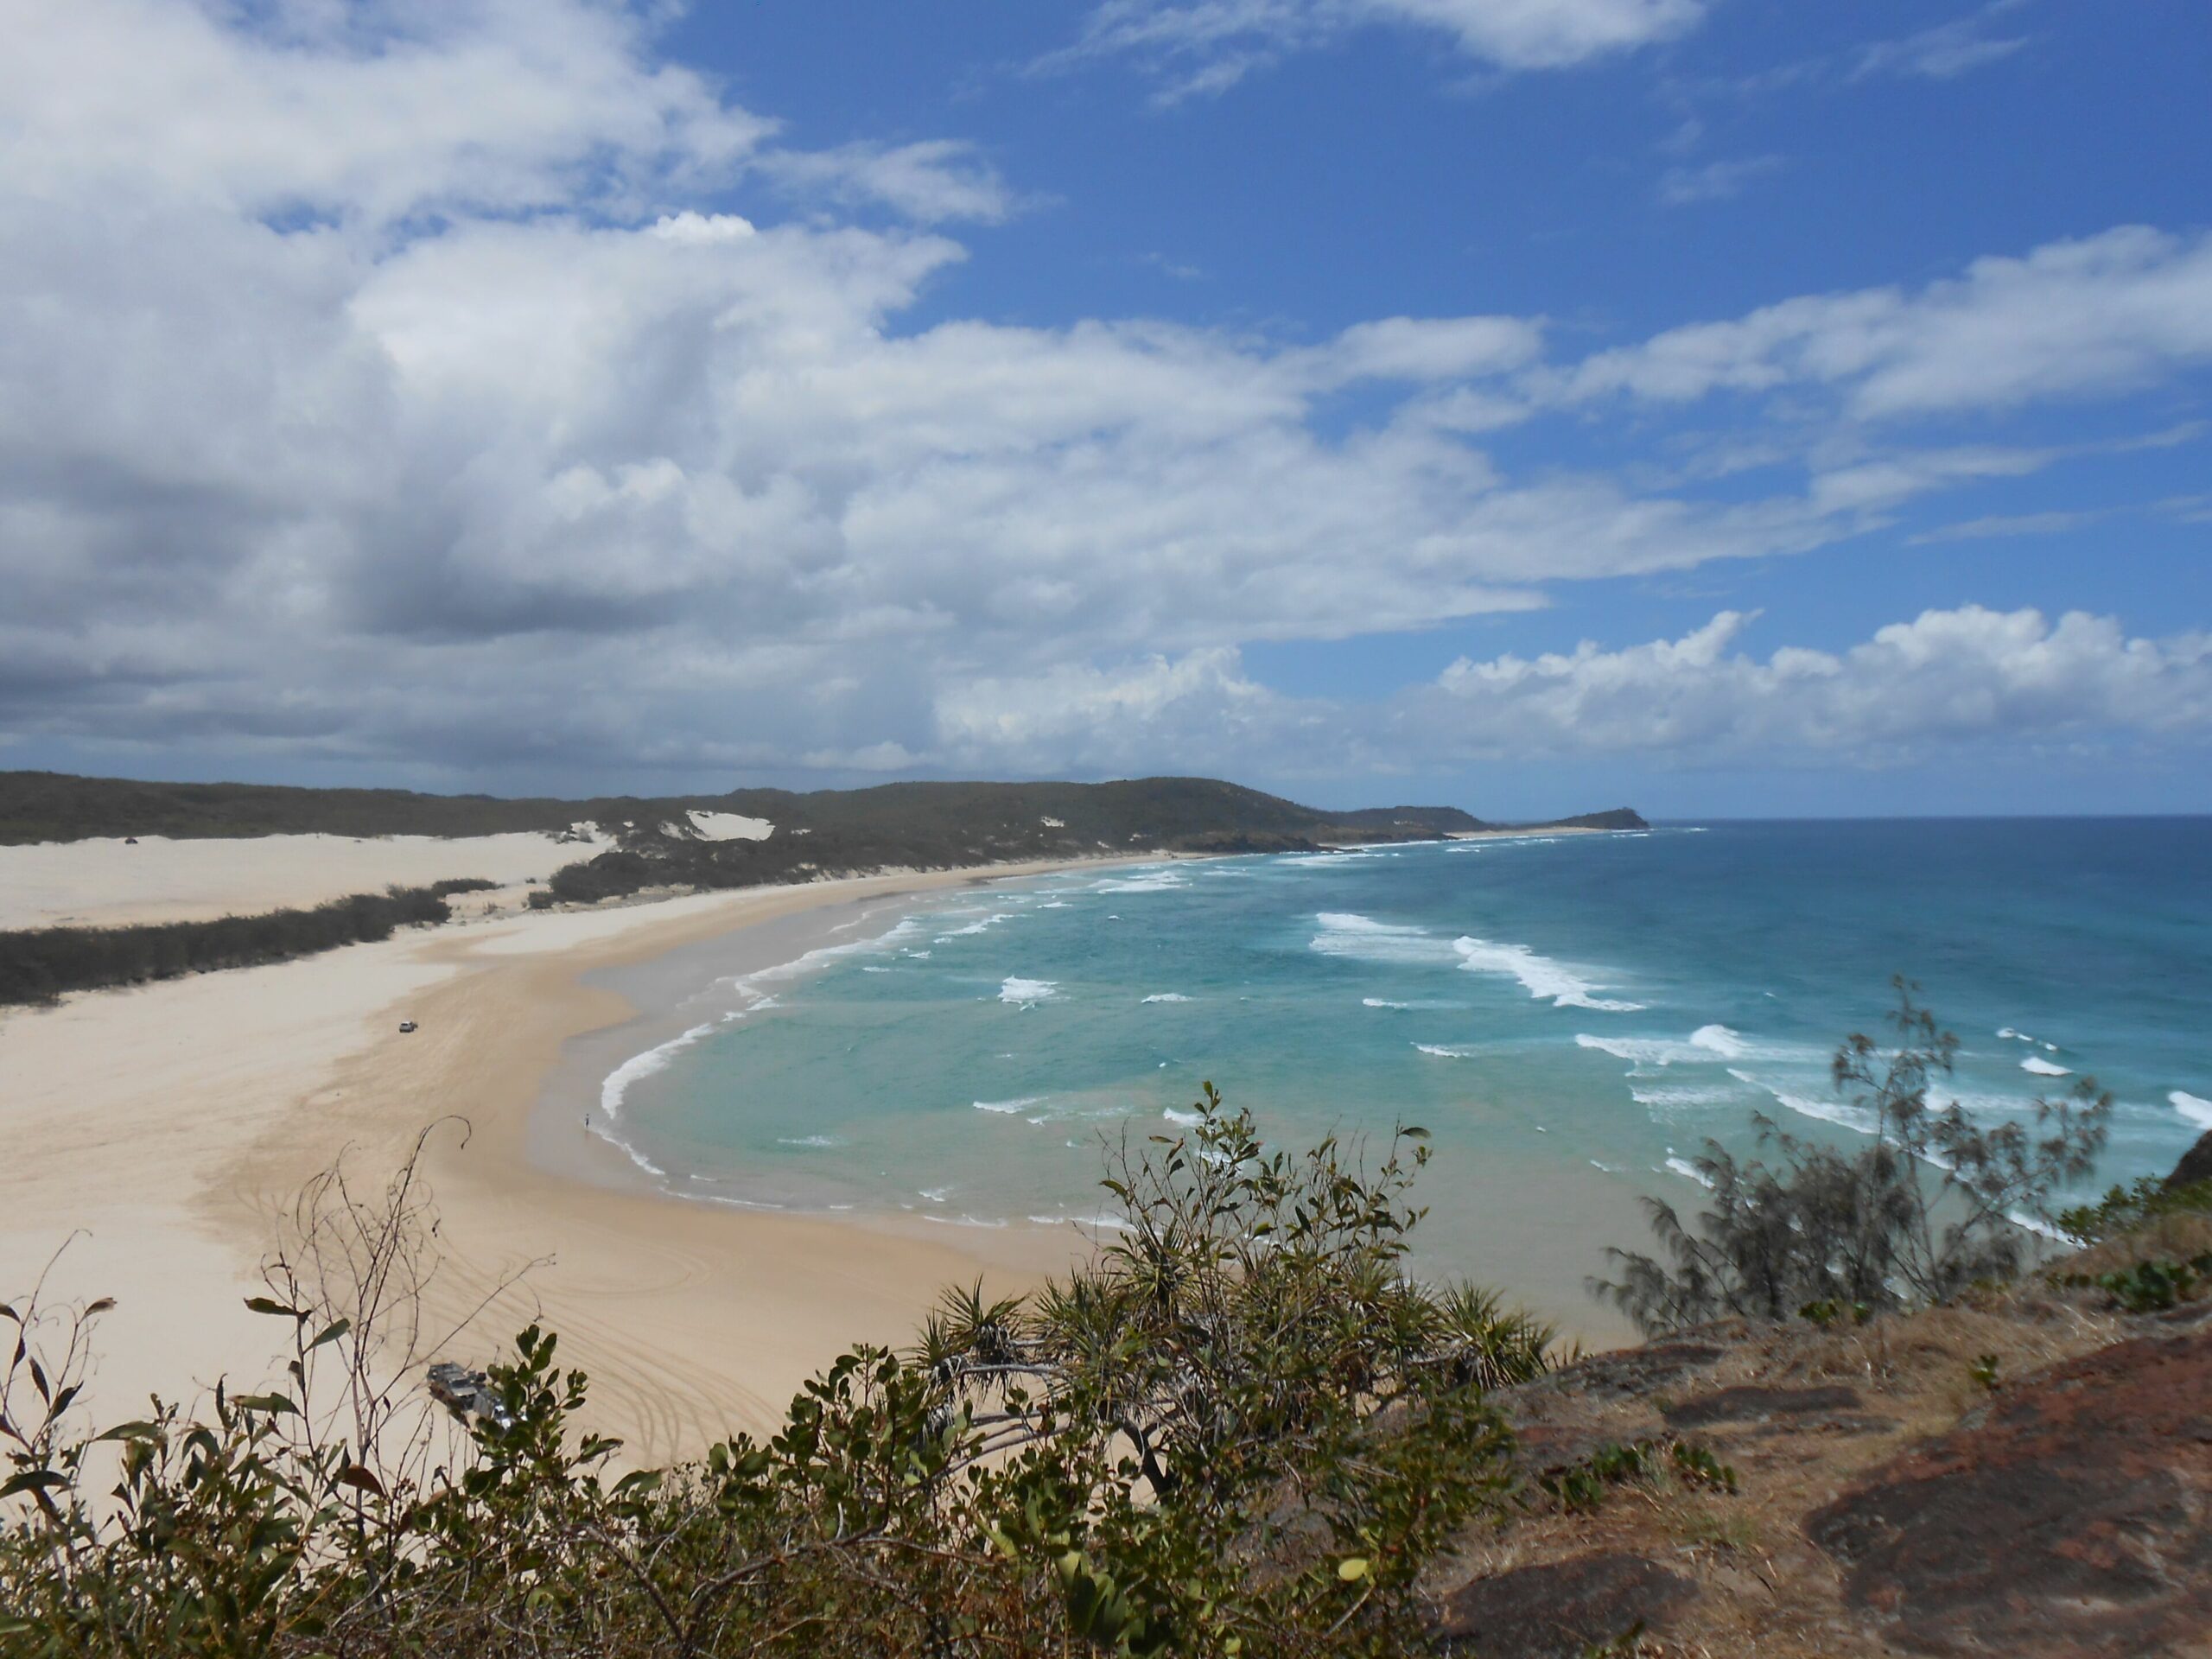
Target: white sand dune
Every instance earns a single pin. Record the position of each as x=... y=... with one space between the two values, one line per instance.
x=109 y=883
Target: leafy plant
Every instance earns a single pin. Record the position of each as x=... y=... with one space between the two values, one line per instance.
x=1242 y=1430
x=1931 y=1206
x=2129 y=1209
x=2153 y=1286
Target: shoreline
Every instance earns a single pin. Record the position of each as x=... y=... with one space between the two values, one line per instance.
x=163 y=1130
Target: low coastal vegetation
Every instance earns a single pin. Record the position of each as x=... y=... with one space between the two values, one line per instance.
x=39 y=964
x=1243 y=1428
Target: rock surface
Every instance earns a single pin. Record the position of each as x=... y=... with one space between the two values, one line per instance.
x=2074 y=1518
x=1560 y=1609
x=2196 y=1164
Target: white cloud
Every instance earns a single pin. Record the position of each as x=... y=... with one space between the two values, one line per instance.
x=1945 y=52
x=1914 y=691
x=373 y=112
x=1968 y=675
x=933 y=181
x=2101 y=314
x=415 y=432
x=1686 y=186
x=2004 y=526
x=1207 y=45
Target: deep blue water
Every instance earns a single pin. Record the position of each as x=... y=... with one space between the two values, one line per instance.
x=1564 y=1014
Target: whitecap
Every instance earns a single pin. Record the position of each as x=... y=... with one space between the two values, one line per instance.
x=1364 y=939
x=1673 y=1099
x=1445 y=1052
x=1167 y=996
x=1684 y=1167
x=1728 y=1045
x=1540 y=976
x=1150 y=881
x=1027 y=993
x=1643 y=1051
x=807 y=1141
x=982 y=926
x=1188 y=1120
x=1008 y=1107
x=2197 y=1111
x=1377 y=1003
x=2044 y=1068
x=617 y=1084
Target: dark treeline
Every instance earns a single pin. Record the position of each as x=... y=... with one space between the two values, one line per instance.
x=37 y=965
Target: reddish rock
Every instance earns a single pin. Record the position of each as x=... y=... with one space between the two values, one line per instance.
x=2074 y=1518
x=1750 y=1403
x=1560 y=1609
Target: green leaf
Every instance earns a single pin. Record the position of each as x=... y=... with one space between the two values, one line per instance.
x=33 y=1480
x=331 y=1332
x=269 y=1305
x=1352 y=1568
x=274 y=1404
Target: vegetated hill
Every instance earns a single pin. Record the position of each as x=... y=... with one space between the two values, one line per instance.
x=921 y=823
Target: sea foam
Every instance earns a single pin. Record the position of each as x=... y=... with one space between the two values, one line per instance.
x=1167 y=996
x=2044 y=1068
x=1719 y=1039
x=1027 y=993
x=1540 y=976
x=1149 y=882
x=2198 y=1112
x=1362 y=938
x=618 y=1082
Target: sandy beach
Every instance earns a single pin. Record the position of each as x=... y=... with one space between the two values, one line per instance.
x=159 y=1132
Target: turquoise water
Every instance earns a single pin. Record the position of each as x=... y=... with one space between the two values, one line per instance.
x=1566 y=1014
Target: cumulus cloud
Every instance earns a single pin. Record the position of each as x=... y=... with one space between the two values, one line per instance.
x=365 y=423
x=1944 y=677
x=1913 y=692
x=1207 y=45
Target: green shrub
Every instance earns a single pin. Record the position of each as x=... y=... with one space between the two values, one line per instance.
x=39 y=964
x=1241 y=1430
x=2129 y=1209
x=1931 y=1205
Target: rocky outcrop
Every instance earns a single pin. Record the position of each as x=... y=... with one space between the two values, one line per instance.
x=1560 y=1609
x=2072 y=1518
x=2196 y=1164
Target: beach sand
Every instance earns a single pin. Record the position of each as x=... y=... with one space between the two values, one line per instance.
x=160 y=1131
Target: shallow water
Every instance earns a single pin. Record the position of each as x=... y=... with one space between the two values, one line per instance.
x=1570 y=1017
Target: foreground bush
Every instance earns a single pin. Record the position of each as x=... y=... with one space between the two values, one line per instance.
x=1933 y=1204
x=1242 y=1430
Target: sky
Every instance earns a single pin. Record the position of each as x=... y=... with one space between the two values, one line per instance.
x=1723 y=407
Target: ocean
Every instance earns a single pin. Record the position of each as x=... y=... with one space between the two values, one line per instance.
x=1569 y=1016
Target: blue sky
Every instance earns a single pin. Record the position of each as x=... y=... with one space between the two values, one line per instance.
x=1724 y=407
